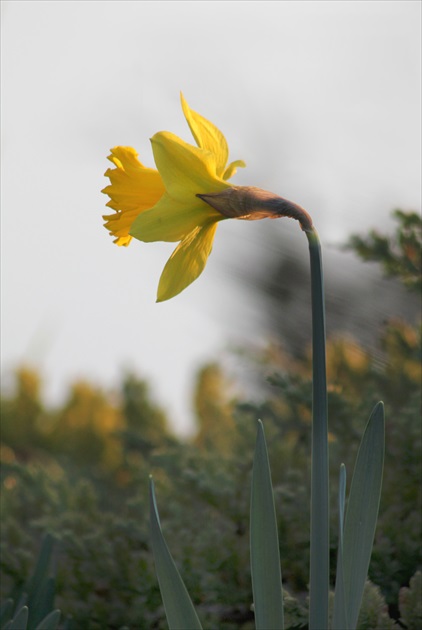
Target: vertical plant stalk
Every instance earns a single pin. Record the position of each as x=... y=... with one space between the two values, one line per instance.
x=319 y=562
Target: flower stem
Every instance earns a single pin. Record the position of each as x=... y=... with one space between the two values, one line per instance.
x=319 y=562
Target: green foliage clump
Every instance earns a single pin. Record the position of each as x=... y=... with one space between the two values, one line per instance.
x=410 y=601
x=374 y=610
x=399 y=255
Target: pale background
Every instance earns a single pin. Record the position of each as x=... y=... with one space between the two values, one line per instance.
x=321 y=99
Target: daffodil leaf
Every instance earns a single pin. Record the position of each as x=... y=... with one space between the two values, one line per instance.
x=265 y=555
x=180 y=612
x=339 y=614
x=20 y=621
x=362 y=513
x=50 y=622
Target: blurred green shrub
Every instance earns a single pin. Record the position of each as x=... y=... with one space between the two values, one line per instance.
x=400 y=254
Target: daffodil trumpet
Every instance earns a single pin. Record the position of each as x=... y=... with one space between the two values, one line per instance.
x=184 y=199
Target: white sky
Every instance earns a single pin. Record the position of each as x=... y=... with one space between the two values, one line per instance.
x=321 y=99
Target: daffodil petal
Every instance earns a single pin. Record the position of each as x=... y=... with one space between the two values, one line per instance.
x=122 y=241
x=207 y=136
x=171 y=220
x=133 y=189
x=187 y=262
x=232 y=168
x=186 y=170
x=120 y=223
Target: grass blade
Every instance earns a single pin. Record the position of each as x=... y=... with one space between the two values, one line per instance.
x=179 y=609
x=265 y=554
x=362 y=513
x=339 y=613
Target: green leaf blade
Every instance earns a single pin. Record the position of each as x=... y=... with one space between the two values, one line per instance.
x=180 y=612
x=6 y=611
x=339 y=613
x=20 y=621
x=41 y=570
x=265 y=554
x=50 y=622
x=362 y=513
x=41 y=587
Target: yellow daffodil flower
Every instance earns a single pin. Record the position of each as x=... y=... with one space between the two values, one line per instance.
x=183 y=200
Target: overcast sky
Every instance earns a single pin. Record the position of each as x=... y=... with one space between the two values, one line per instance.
x=321 y=99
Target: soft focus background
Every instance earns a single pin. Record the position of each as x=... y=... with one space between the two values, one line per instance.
x=322 y=101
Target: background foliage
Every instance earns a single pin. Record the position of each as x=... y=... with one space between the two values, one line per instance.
x=80 y=473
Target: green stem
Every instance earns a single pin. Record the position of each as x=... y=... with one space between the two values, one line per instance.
x=319 y=569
